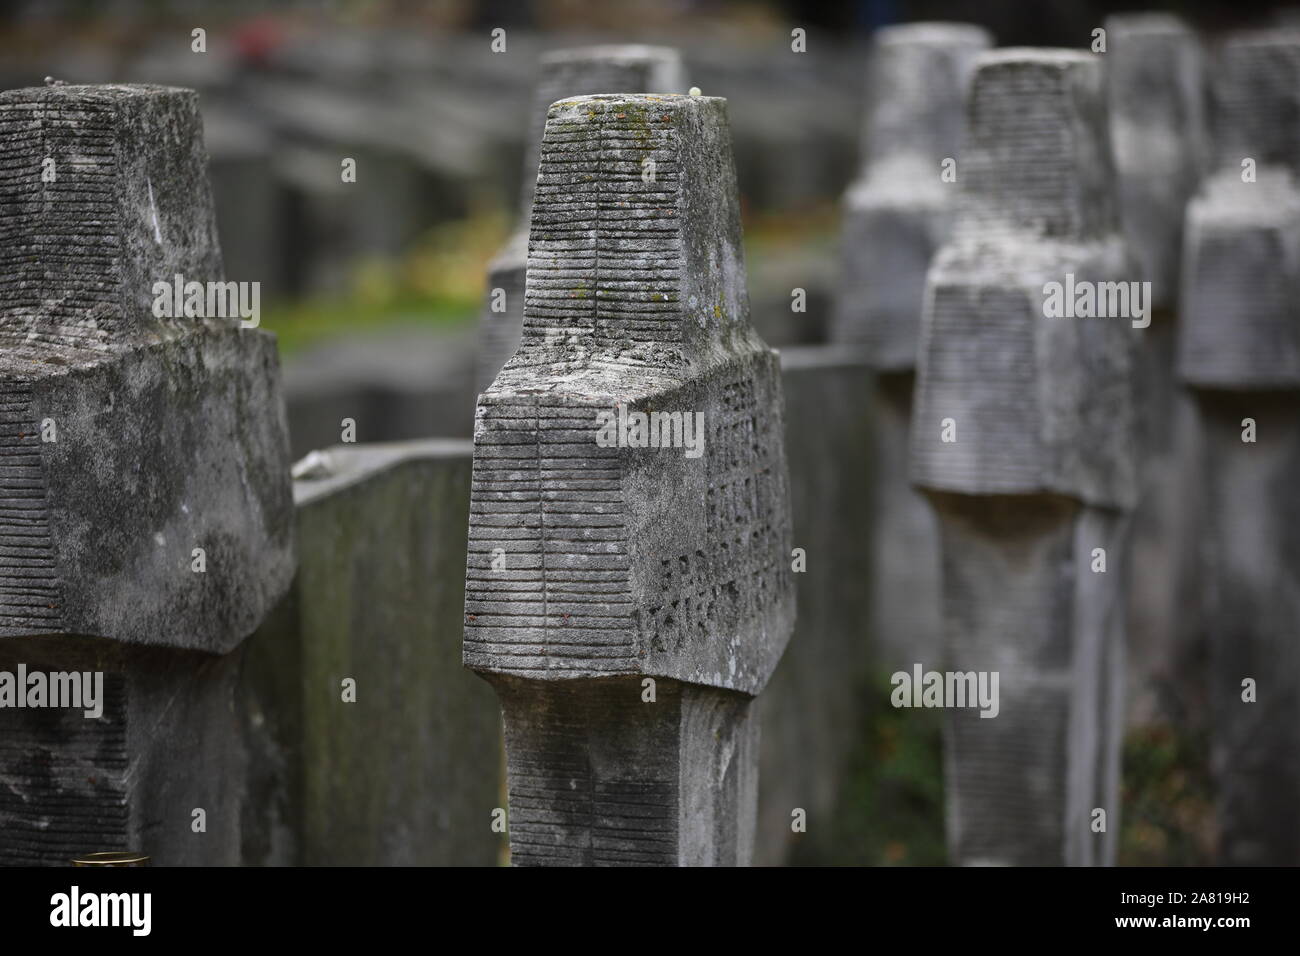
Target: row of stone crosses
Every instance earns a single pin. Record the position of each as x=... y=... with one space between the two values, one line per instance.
x=629 y=606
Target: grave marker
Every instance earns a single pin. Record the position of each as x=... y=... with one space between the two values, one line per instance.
x=145 y=509
x=1022 y=441
x=1239 y=352
x=596 y=565
x=1154 y=92
x=896 y=214
x=408 y=773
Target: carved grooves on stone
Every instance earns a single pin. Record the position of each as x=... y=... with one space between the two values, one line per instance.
x=1255 y=101
x=59 y=241
x=548 y=496
x=63 y=786
x=999 y=447
x=600 y=235
x=575 y=78
x=1023 y=173
x=1240 y=274
x=30 y=596
x=1002 y=580
x=593 y=773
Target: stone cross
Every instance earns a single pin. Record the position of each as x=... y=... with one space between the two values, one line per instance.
x=1158 y=136
x=592 y=69
x=896 y=214
x=629 y=587
x=145 y=503
x=1022 y=441
x=1239 y=351
x=1154 y=92
x=899 y=209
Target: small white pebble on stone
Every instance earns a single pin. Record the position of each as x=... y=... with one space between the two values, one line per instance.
x=315 y=466
x=695 y=90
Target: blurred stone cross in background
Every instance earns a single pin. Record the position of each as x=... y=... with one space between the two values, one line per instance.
x=897 y=213
x=1022 y=439
x=1239 y=352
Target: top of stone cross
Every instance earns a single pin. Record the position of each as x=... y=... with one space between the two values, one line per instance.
x=919 y=73
x=1155 y=95
x=1239 y=268
x=1037 y=159
x=661 y=291
x=1255 y=91
x=1154 y=85
x=631 y=68
x=106 y=192
x=1037 y=403
x=143 y=459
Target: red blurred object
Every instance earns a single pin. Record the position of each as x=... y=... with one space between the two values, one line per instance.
x=256 y=39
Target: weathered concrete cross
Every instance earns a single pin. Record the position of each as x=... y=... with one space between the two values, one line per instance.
x=1022 y=440
x=896 y=215
x=1239 y=351
x=628 y=602
x=145 y=502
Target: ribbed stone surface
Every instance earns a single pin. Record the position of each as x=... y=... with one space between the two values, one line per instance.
x=1242 y=272
x=1253 y=518
x=1042 y=405
x=130 y=779
x=594 y=69
x=1240 y=354
x=1040 y=471
x=169 y=436
x=623 y=561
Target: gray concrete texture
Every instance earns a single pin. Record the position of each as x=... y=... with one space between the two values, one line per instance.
x=626 y=562
x=129 y=440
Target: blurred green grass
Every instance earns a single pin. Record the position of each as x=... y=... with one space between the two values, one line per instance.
x=1168 y=798
x=440 y=281
x=890 y=810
